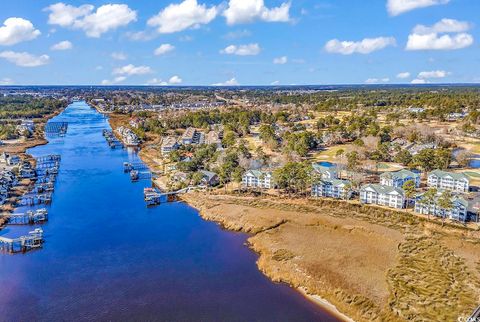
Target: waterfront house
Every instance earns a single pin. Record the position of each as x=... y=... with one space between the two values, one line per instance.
x=257 y=179
x=398 y=178
x=326 y=170
x=26 y=126
x=209 y=178
x=169 y=144
x=457 y=182
x=383 y=195
x=458 y=212
x=10 y=159
x=334 y=188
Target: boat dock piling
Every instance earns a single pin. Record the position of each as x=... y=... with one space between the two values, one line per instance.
x=33 y=240
x=129 y=166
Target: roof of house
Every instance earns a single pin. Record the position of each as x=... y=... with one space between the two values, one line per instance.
x=442 y=174
x=401 y=174
x=189 y=133
x=258 y=173
x=169 y=141
x=455 y=199
x=209 y=174
x=324 y=169
x=381 y=189
x=336 y=182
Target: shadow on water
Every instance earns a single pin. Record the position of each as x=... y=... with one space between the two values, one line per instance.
x=108 y=257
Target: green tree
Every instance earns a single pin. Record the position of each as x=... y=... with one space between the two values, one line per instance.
x=404 y=157
x=229 y=139
x=445 y=203
x=410 y=190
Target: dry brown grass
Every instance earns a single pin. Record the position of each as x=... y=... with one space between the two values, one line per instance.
x=373 y=264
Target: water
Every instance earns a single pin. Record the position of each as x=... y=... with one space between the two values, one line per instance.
x=109 y=258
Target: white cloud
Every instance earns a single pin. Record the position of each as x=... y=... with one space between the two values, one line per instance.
x=6 y=81
x=118 y=55
x=377 y=80
x=16 y=30
x=106 y=18
x=63 y=45
x=280 y=60
x=438 y=37
x=132 y=70
x=397 y=7
x=237 y=34
x=116 y=80
x=364 y=46
x=418 y=81
x=185 y=15
x=174 y=80
x=245 y=11
x=403 y=75
x=230 y=82
x=140 y=35
x=24 y=59
x=242 y=50
x=163 y=49
x=433 y=74
x=275 y=83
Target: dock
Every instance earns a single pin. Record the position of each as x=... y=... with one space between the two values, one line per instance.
x=475 y=315
x=33 y=240
x=154 y=197
x=129 y=166
x=56 y=128
x=29 y=218
x=112 y=140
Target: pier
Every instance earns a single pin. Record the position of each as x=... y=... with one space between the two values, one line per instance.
x=112 y=141
x=33 y=240
x=129 y=166
x=36 y=199
x=475 y=317
x=29 y=218
x=154 y=197
x=56 y=128
x=136 y=175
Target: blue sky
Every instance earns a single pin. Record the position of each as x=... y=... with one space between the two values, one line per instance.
x=245 y=42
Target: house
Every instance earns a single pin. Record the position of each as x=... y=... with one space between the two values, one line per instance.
x=382 y=195
x=458 y=212
x=180 y=176
x=26 y=126
x=326 y=170
x=334 y=188
x=257 y=179
x=398 y=178
x=209 y=178
x=457 y=182
x=214 y=137
x=10 y=159
x=192 y=136
x=169 y=144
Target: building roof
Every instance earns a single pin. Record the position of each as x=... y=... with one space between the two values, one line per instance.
x=336 y=182
x=455 y=199
x=189 y=133
x=401 y=174
x=258 y=173
x=209 y=174
x=381 y=189
x=442 y=174
x=169 y=141
x=320 y=168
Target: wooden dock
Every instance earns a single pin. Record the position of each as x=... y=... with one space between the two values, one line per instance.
x=33 y=240
x=56 y=128
x=153 y=197
x=29 y=218
x=129 y=166
x=475 y=317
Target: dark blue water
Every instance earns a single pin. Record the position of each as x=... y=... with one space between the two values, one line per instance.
x=109 y=258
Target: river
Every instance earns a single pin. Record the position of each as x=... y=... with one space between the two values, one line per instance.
x=107 y=257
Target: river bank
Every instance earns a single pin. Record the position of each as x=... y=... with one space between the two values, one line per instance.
x=370 y=264
x=19 y=147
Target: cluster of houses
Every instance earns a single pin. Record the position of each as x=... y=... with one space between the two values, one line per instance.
x=12 y=169
x=128 y=137
x=389 y=192
x=191 y=136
